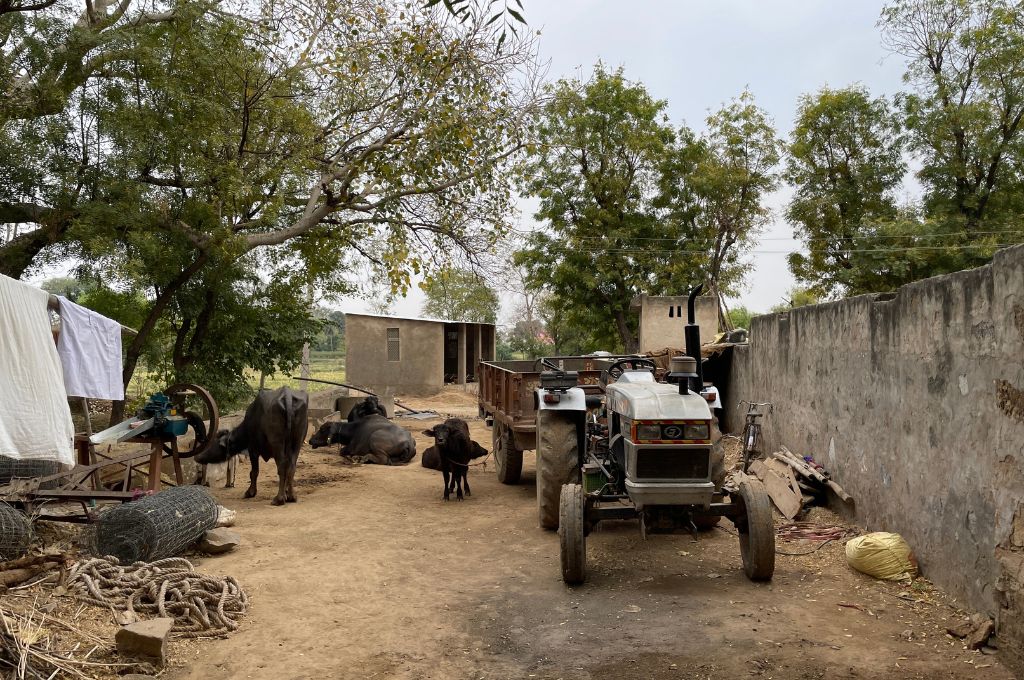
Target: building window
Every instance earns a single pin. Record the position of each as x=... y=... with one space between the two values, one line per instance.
x=394 y=351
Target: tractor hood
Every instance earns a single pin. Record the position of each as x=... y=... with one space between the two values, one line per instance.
x=650 y=400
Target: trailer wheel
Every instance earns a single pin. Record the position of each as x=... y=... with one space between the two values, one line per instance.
x=557 y=462
x=508 y=460
x=757 y=531
x=572 y=539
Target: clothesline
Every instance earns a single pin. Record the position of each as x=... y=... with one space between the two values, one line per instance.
x=54 y=304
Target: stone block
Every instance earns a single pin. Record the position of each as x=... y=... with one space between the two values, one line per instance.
x=218 y=541
x=145 y=639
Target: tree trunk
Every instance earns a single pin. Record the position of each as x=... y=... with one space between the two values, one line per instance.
x=630 y=342
x=134 y=351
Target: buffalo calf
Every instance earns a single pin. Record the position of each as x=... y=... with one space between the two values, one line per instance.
x=454 y=449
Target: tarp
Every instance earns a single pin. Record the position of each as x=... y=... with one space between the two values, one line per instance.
x=35 y=420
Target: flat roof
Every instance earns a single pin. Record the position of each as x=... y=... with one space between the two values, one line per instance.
x=416 y=318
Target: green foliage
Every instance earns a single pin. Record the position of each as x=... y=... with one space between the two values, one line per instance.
x=739 y=317
x=600 y=147
x=964 y=116
x=734 y=171
x=632 y=206
x=215 y=158
x=845 y=161
x=461 y=295
x=797 y=297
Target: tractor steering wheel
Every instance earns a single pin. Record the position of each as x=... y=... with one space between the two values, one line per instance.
x=632 y=364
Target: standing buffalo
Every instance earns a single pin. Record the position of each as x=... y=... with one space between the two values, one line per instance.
x=273 y=428
x=454 y=449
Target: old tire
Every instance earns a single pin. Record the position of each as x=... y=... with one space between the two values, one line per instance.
x=557 y=462
x=508 y=460
x=756 y=531
x=571 y=537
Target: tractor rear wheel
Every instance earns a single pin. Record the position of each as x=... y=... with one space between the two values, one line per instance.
x=571 y=536
x=557 y=461
x=757 y=531
x=508 y=460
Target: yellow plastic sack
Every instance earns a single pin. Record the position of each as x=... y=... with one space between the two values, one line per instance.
x=882 y=555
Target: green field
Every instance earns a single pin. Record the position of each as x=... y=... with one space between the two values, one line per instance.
x=322 y=365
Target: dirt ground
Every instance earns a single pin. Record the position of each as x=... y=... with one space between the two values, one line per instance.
x=371 y=575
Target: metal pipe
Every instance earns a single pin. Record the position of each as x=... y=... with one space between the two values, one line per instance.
x=691 y=332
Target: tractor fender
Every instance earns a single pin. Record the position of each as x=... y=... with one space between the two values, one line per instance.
x=573 y=399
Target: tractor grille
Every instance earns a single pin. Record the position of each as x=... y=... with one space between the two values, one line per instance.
x=668 y=464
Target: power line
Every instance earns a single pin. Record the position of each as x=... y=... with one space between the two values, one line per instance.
x=823 y=238
x=677 y=251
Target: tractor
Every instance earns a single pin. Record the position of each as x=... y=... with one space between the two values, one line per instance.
x=642 y=451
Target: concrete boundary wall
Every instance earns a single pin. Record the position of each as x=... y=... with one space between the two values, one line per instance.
x=915 y=403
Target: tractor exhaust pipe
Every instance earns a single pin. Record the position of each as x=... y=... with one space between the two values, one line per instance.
x=691 y=332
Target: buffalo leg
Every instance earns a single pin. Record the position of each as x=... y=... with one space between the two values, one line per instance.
x=458 y=475
x=254 y=473
x=447 y=491
x=229 y=477
x=282 y=481
x=290 y=496
x=465 y=481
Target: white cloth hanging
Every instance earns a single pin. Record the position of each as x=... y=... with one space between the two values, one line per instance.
x=35 y=420
x=90 y=353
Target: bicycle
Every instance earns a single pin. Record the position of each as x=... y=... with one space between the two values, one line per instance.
x=752 y=429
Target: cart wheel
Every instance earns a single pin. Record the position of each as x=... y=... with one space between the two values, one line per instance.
x=572 y=539
x=557 y=462
x=508 y=460
x=198 y=407
x=757 y=531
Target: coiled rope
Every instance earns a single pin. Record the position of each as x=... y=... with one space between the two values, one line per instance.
x=201 y=605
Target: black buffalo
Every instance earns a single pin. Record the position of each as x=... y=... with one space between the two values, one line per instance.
x=453 y=449
x=273 y=428
x=367 y=407
x=372 y=439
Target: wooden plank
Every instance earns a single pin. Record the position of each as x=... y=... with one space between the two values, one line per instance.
x=785 y=498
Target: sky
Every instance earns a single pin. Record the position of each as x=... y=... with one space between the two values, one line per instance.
x=697 y=55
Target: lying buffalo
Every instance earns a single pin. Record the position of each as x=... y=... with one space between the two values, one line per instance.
x=372 y=439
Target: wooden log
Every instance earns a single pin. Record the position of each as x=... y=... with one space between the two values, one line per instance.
x=31 y=560
x=805 y=469
x=839 y=491
x=809 y=471
x=13 y=577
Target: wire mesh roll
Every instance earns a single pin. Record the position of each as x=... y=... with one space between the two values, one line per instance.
x=154 y=527
x=15 y=533
x=11 y=469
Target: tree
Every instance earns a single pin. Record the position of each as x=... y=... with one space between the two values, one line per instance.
x=797 y=297
x=228 y=140
x=460 y=294
x=734 y=171
x=601 y=145
x=739 y=317
x=845 y=163
x=964 y=115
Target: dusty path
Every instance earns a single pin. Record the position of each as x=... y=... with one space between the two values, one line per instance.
x=371 y=575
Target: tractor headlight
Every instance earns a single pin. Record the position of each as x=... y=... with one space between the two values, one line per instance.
x=648 y=432
x=697 y=431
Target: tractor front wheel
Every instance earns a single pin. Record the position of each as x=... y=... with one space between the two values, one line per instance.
x=557 y=462
x=571 y=535
x=508 y=460
x=757 y=531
